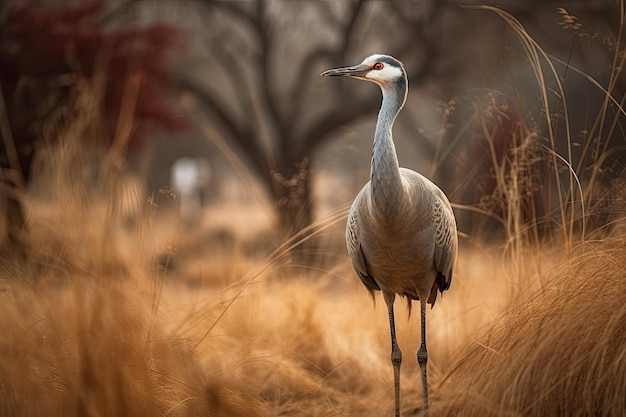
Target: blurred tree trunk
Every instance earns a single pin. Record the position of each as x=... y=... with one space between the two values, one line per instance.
x=13 y=216
x=292 y=195
x=15 y=162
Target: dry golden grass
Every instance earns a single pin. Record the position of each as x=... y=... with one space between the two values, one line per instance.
x=103 y=322
x=91 y=327
x=559 y=351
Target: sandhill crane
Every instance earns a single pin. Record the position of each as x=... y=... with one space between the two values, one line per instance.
x=401 y=232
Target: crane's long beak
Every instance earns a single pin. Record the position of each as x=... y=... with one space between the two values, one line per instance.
x=355 y=71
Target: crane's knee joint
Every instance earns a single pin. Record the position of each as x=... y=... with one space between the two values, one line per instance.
x=396 y=357
x=422 y=356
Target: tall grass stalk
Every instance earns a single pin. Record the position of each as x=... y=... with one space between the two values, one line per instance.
x=538 y=58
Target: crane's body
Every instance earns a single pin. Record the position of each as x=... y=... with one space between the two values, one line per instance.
x=397 y=245
x=401 y=232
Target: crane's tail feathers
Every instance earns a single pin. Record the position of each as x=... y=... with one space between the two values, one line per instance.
x=373 y=295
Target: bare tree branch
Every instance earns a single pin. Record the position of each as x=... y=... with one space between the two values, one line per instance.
x=120 y=10
x=300 y=86
x=245 y=139
x=263 y=29
x=332 y=120
x=236 y=77
x=348 y=30
x=303 y=79
x=232 y=7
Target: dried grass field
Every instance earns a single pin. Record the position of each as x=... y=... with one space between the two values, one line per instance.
x=94 y=325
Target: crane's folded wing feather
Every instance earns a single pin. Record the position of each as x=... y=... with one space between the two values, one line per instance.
x=446 y=241
x=356 y=253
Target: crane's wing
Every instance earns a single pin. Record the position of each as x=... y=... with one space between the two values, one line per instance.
x=446 y=240
x=355 y=252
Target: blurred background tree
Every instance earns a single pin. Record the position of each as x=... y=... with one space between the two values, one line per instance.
x=258 y=83
x=261 y=83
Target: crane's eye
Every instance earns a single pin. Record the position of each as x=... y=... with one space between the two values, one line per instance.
x=378 y=66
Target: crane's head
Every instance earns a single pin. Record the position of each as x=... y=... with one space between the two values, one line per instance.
x=384 y=70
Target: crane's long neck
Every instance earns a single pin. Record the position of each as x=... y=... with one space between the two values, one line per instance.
x=386 y=182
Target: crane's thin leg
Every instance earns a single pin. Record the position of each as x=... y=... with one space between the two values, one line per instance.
x=422 y=357
x=396 y=357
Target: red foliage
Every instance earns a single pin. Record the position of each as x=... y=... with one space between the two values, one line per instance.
x=40 y=44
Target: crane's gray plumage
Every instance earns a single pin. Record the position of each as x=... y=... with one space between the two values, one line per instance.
x=401 y=232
